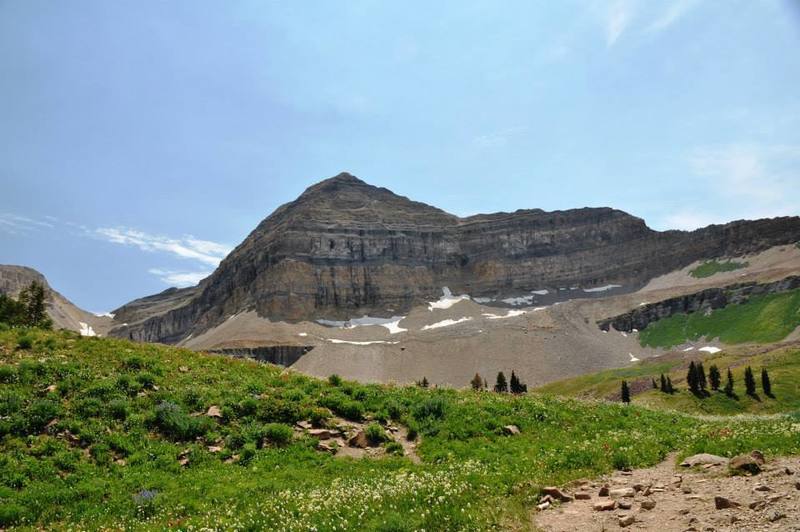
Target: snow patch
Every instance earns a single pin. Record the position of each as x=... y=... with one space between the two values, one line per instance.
x=517 y=301
x=445 y=323
x=633 y=358
x=710 y=349
x=540 y=292
x=509 y=314
x=337 y=341
x=302 y=334
x=104 y=315
x=623 y=334
x=447 y=300
x=393 y=323
x=602 y=288
x=483 y=300
x=86 y=329
x=688 y=349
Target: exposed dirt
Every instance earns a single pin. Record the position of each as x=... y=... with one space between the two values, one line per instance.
x=683 y=499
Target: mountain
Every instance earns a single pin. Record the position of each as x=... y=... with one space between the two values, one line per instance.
x=65 y=315
x=345 y=248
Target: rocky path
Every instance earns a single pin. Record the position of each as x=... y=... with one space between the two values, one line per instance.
x=671 y=498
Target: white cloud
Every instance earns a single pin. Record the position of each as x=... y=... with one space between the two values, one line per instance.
x=499 y=138
x=15 y=224
x=672 y=14
x=618 y=17
x=204 y=251
x=179 y=278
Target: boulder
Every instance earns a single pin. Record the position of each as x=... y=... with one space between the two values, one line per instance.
x=322 y=434
x=758 y=456
x=603 y=491
x=626 y=520
x=556 y=494
x=722 y=503
x=745 y=464
x=622 y=492
x=360 y=440
x=214 y=411
x=543 y=506
x=704 y=459
x=511 y=430
x=305 y=425
x=604 y=506
x=625 y=505
x=582 y=496
x=648 y=504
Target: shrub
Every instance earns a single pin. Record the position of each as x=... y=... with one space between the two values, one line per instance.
x=319 y=416
x=175 y=423
x=145 y=379
x=40 y=413
x=25 y=342
x=11 y=514
x=433 y=407
x=248 y=453
x=375 y=433
x=118 y=409
x=88 y=407
x=7 y=374
x=394 y=447
x=335 y=380
x=278 y=433
x=351 y=410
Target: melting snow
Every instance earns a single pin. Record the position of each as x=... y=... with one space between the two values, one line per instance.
x=625 y=335
x=337 y=341
x=302 y=334
x=445 y=323
x=86 y=329
x=540 y=292
x=104 y=315
x=633 y=358
x=510 y=314
x=483 y=300
x=688 y=349
x=447 y=300
x=393 y=323
x=516 y=301
x=710 y=349
x=602 y=288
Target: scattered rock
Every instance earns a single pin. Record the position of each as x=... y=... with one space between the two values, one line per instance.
x=183 y=369
x=721 y=503
x=604 y=491
x=639 y=487
x=788 y=471
x=556 y=494
x=648 y=504
x=686 y=489
x=625 y=505
x=322 y=434
x=214 y=448
x=626 y=520
x=327 y=446
x=757 y=505
x=797 y=485
x=511 y=430
x=543 y=506
x=775 y=498
x=704 y=459
x=214 y=411
x=604 y=506
x=745 y=463
x=648 y=491
x=50 y=389
x=622 y=492
x=305 y=425
x=359 y=440
x=762 y=487
x=758 y=456
x=775 y=515
x=583 y=496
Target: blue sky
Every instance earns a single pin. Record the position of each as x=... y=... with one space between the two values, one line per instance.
x=141 y=140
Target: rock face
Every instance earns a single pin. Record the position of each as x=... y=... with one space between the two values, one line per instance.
x=346 y=248
x=705 y=300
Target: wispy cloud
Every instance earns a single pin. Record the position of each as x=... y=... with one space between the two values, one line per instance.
x=188 y=247
x=742 y=181
x=640 y=17
x=499 y=138
x=179 y=278
x=619 y=15
x=672 y=14
x=15 y=224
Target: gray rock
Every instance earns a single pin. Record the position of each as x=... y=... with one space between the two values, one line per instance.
x=746 y=464
x=622 y=492
x=648 y=504
x=704 y=459
x=628 y=520
x=722 y=503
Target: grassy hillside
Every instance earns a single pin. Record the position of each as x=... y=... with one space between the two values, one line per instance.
x=763 y=319
x=783 y=365
x=103 y=433
x=711 y=267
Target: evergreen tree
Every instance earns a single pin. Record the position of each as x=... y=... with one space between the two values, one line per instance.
x=476 y=382
x=485 y=384
x=501 y=386
x=766 y=385
x=664 y=384
x=35 y=308
x=700 y=371
x=513 y=383
x=729 y=384
x=692 y=380
x=749 y=381
x=12 y=312
x=655 y=384
x=626 y=392
x=424 y=382
x=714 y=377
x=670 y=389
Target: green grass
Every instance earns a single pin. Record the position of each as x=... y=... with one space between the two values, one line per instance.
x=783 y=365
x=103 y=449
x=762 y=319
x=711 y=267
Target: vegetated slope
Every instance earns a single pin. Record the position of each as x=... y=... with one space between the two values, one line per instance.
x=762 y=319
x=13 y=279
x=712 y=267
x=345 y=248
x=101 y=433
x=782 y=363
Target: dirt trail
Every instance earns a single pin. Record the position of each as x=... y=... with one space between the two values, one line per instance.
x=681 y=499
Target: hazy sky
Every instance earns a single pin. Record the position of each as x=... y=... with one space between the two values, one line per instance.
x=141 y=140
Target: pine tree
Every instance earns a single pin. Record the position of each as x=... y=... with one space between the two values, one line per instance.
x=714 y=377
x=664 y=384
x=749 y=381
x=424 y=382
x=700 y=371
x=766 y=385
x=692 y=380
x=485 y=384
x=33 y=299
x=729 y=384
x=670 y=389
x=655 y=384
x=476 y=382
x=501 y=386
x=513 y=383
x=626 y=392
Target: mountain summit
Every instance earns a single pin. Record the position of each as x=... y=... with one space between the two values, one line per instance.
x=345 y=248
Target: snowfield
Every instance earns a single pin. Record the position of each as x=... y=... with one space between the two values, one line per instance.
x=445 y=323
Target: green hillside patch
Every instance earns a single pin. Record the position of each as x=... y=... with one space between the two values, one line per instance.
x=762 y=319
x=711 y=267
x=101 y=433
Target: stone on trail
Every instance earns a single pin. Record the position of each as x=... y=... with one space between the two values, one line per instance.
x=626 y=520
x=322 y=434
x=648 y=504
x=556 y=494
x=543 y=506
x=622 y=492
x=704 y=459
x=604 y=506
x=604 y=491
x=583 y=496
x=625 y=505
x=745 y=463
x=721 y=503
x=758 y=456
